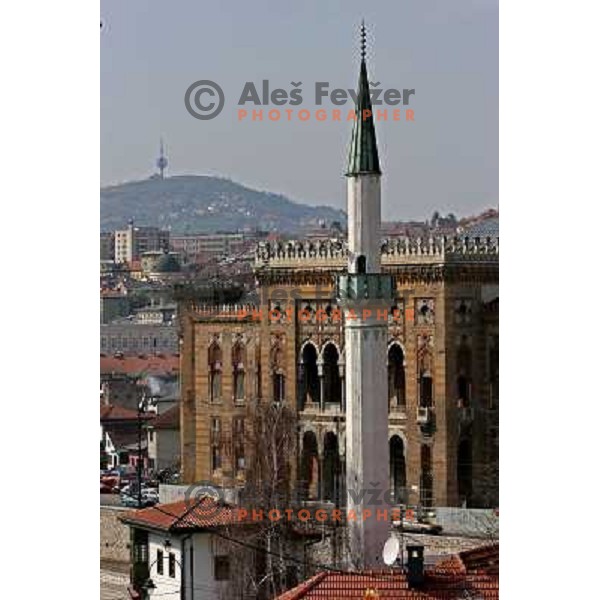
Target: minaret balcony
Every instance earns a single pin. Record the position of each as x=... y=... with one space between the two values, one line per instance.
x=364 y=286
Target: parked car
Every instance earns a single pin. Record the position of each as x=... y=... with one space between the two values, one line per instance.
x=130 y=501
x=150 y=495
x=148 y=499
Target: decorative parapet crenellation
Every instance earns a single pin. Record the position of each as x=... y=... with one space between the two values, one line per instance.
x=222 y=311
x=299 y=253
x=333 y=253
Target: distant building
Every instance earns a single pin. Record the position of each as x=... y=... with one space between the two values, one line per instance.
x=124 y=379
x=489 y=227
x=156 y=314
x=132 y=242
x=207 y=246
x=132 y=338
x=107 y=246
x=119 y=435
x=164 y=450
x=158 y=261
x=113 y=305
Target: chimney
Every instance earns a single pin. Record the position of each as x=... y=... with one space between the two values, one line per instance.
x=415 y=565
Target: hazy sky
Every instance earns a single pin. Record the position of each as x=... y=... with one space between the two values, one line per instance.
x=447 y=50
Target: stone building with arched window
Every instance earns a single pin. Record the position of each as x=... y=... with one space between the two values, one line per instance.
x=442 y=365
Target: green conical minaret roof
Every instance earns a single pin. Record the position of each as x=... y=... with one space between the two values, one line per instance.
x=363 y=157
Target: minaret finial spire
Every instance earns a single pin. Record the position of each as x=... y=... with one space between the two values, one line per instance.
x=363 y=157
x=363 y=41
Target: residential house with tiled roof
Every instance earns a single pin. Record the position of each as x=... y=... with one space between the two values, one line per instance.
x=177 y=550
x=119 y=429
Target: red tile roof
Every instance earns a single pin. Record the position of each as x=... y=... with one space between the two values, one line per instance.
x=111 y=412
x=168 y=420
x=448 y=580
x=134 y=365
x=485 y=558
x=191 y=514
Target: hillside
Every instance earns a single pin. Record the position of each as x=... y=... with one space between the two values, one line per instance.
x=191 y=204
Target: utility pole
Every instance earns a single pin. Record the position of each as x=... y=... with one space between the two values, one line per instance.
x=141 y=407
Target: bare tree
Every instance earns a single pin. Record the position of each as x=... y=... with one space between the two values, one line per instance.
x=260 y=564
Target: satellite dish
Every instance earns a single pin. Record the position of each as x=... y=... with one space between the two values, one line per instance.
x=391 y=549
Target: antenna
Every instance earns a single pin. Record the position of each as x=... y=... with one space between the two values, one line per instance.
x=391 y=550
x=162 y=161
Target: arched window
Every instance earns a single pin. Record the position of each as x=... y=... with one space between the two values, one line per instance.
x=309 y=388
x=239 y=459
x=215 y=365
x=398 y=469
x=238 y=364
x=332 y=468
x=332 y=382
x=277 y=370
x=309 y=467
x=361 y=265
x=463 y=380
x=396 y=380
x=426 y=480
x=426 y=389
x=425 y=372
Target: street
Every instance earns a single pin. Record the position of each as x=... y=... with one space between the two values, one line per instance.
x=113 y=581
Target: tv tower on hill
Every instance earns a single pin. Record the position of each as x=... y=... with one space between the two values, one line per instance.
x=162 y=161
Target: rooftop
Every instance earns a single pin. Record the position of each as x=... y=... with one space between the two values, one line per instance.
x=168 y=420
x=151 y=364
x=112 y=412
x=466 y=575
x=483 y=228
x=191 y=514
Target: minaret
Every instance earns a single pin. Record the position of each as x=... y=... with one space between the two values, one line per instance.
x=162 y=161
x=365 y=294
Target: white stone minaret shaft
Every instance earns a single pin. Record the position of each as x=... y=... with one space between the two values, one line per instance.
x=365 y=294
x=364 y=221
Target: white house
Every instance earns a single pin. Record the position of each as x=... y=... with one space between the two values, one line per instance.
x=176 y=553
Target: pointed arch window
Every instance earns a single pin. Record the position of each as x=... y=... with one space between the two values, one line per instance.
x=463 y=379
x=278 y=374
x=396 y=377
x=332 y=382
x=215 y=365
x=238 y=360
x=309 y=388
x=397 y=469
